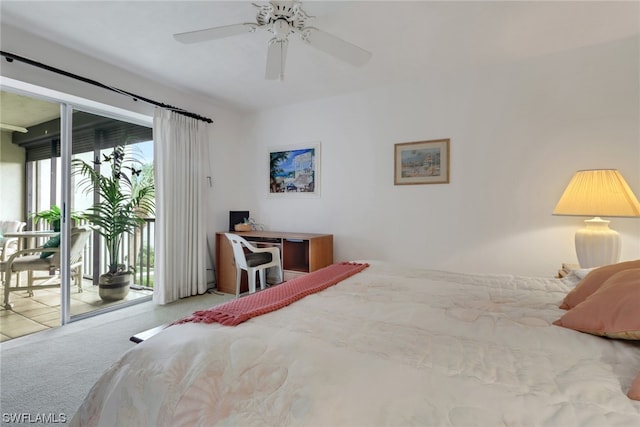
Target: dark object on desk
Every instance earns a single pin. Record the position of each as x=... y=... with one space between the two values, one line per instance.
x=237 y=217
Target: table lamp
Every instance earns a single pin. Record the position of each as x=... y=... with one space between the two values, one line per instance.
x=596 y=193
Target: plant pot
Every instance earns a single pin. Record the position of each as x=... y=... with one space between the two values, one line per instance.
x=114 y=287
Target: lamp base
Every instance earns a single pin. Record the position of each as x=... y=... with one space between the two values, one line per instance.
x=597 y=244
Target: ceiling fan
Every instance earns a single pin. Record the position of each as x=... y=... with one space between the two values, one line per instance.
x=282 y=19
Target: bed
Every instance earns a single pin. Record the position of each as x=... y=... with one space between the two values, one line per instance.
x=390 y=345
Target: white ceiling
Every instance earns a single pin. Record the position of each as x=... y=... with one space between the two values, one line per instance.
x=409 y=40
x=18 y=110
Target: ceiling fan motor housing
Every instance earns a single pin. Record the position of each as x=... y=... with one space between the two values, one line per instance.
x=278 y=13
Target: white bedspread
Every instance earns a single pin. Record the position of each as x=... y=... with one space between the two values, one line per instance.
x=388 y=346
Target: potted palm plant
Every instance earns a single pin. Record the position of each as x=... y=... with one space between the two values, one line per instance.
x=123 y=200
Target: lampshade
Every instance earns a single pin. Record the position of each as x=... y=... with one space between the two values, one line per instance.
x=598 y=192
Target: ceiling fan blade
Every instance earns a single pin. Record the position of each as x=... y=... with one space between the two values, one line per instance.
x=276 y=59
x=215 y=33
x=335 y=46
x=13 y=128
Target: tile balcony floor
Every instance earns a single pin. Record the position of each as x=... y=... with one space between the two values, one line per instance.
x=42 y=310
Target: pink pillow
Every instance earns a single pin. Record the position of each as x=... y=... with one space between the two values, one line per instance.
x=593 y=281
x=613 y=310
x=634 y=391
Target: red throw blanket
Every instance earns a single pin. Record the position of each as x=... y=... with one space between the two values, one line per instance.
x=242 y=309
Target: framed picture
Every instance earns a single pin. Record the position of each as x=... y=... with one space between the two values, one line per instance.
x=294 y=170
x=422 y=162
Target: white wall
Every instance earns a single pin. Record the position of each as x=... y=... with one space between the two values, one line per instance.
x=12 y=175
x=518 y=133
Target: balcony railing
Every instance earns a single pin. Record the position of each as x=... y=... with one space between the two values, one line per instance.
x=137 y=251
x=144 y=253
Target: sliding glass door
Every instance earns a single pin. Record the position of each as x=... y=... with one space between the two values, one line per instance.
x=112 y=163
x=43 y=182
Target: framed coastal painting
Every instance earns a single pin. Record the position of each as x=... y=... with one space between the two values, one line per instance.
x=422 y=162
x=294 y=170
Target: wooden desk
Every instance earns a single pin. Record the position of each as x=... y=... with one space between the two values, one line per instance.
x=300 y=253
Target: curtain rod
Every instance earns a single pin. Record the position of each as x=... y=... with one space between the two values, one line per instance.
x=10 y=57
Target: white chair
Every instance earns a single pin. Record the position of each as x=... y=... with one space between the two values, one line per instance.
x=256 y=260
x=30 y=260
x=9 y=245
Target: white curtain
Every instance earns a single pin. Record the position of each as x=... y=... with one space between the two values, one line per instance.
x=180 y=156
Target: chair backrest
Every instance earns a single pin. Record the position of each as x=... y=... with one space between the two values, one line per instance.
x=79 y=237
x=238 y=244
x=11 y=226
x=9 y=243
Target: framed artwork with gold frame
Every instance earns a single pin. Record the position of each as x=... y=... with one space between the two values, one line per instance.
x=421 y=162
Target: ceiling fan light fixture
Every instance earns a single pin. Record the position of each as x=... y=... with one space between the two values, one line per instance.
x=281 y=29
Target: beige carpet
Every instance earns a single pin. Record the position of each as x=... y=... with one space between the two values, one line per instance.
x=45 y=376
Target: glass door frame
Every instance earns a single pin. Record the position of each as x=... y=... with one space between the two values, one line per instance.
x=66 y=126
